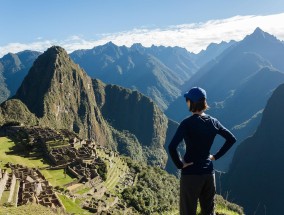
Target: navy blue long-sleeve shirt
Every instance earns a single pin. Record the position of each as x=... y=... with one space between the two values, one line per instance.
x=198 y=132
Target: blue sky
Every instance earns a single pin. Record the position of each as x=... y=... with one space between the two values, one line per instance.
x=35 y=22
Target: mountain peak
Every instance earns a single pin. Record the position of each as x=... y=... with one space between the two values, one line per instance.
x=48 y=73
x=11 y=62
x=137 y=46
x=259 y=34
x=111 y=44
x=55 y=50
x=11 y=57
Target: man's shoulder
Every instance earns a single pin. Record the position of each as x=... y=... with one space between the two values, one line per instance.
x=193 y=117
x=186 y=119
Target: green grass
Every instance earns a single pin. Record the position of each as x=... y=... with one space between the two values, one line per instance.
x=10 y=153
x=70 y=206
x=17 y=185
x=7 y=145
x=27 y=210
x=84 y=190
x=57 y=177
x=5 y=196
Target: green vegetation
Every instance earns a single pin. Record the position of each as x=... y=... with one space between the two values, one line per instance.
x=154 y=192
x=102 y=168
x=128 y=144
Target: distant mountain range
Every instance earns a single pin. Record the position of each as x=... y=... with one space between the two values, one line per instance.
x=255 y=178
x=238 y=82
x=157 y=71
x=13 y=69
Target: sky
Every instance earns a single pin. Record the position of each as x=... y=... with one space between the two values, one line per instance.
x=192 y=24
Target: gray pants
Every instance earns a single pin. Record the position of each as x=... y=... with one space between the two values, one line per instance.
x=194 y=187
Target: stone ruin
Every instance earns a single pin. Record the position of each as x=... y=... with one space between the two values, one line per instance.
x=32 y=187
x=98 y=205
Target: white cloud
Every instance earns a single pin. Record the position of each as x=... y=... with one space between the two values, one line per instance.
x=194 y=36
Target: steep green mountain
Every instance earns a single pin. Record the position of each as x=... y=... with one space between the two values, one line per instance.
x=256 y=172
x=13 y=69
x=134 y=69
x=241 y=80
x=60 y=94
x=131 y=112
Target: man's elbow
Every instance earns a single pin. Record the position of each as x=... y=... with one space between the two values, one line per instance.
x=233 y=139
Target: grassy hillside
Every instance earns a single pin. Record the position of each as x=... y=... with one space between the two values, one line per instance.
x=28 y=210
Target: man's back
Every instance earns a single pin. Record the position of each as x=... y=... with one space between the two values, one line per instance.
x=198 y=132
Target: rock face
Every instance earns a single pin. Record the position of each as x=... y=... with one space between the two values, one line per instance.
x=255 y=179
x=127 y=110
x=13 y=69
x=60 y=94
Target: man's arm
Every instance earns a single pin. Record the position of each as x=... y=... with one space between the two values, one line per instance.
x=229 y=137
x=178 y=137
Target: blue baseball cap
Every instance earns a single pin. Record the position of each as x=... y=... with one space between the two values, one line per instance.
x=195 y=94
